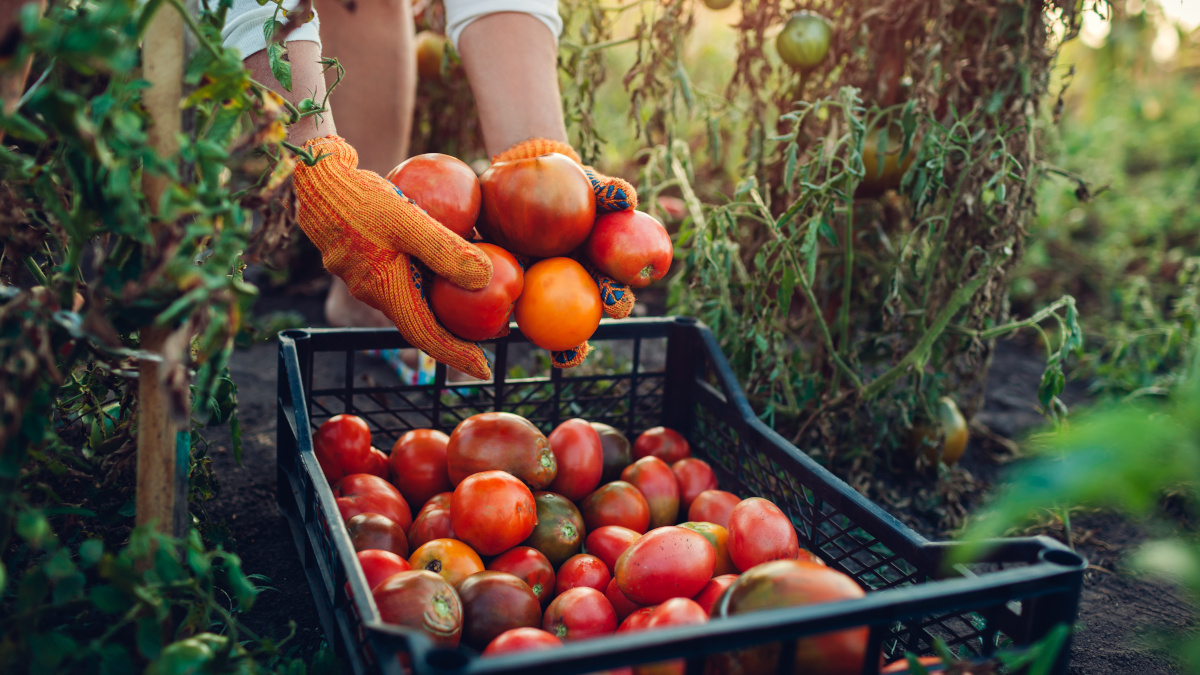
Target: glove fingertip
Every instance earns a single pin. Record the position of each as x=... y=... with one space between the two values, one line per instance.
x=569 y=358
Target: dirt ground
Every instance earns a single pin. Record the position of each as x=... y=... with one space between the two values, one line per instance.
x=1118 y=617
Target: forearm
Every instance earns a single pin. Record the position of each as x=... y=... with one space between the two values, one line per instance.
x=511 y=60
x=307 y=81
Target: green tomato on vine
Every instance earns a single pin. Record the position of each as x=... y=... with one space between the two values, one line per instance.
x=804 y=42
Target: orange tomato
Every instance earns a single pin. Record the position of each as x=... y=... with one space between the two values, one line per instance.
x=560 y=306
x=450 y=558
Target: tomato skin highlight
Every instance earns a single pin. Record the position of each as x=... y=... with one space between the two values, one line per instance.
x=759 y=532
x=580 y=458
x=364 y=493
x=616 y=503
x=578 y=614
x=446 y=187
x=424 y=601
x=521 y=640
x=657 y=483
x=560 y=307
x=481 y=314
x=417 y=465
x=530 y=566
x=540 y=207
x=583 y=571
x=713 y=506
x=609 y=542
x=342 y=445
x=492 y=511
x=630 y=246
x=669 y=562
x=666 y=444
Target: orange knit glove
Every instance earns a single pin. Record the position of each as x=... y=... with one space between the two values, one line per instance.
x=612 y=194
x=371 y=236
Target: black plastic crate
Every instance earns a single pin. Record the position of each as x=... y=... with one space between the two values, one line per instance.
x=649 y=372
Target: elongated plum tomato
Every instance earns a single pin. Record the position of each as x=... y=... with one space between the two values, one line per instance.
x=540 y=207
x=669 y=562
x=343 y=447
x=379 y=565
x=694 y=476
x=560 y=306
x=500 y=441
x=530 y=566
x=580 y=457
x=657 y=483
x=521 y=640
x=631 y=247
x=492 y=511
x=418 y=466
x=580 y=613
x=481 y=314
x=759 y=532
x=364 y=493
x=666 y=444
x=444 y=186
x=424 y=601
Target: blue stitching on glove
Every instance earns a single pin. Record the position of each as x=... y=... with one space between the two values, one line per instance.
x=608 y=197
x=565 y=356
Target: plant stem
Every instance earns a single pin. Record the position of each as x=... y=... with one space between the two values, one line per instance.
x=802 y=279
x=847 y=279
x=35 y=271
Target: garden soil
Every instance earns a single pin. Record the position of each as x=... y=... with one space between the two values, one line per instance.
x=1119 y=616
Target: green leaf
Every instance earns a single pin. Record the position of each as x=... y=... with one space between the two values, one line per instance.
x=33 y=527
x=90 y=552
x=282 y=70
x=1052 y=384
x=149 y=637
x=786 y=286
x=109 y=599
x=3 y=576
x=19 y=127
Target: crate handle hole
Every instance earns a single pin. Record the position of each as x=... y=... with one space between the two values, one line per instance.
x=1061 y=557
x=446 y=659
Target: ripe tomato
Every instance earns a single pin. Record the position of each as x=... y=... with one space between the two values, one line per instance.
x=713 y=506
x=669 y=562
x=622 y=605
x=759 y=532
x=423 y=601
x=694 y=476
x=444 y=186
x=560 y=306
x=439 y=501
x=343 y=446
x=530 y=566
x=718 y=538
x=616 y=503
x=580 y=613
x=373 y=531
x=418 y=465
x=559 y=532
x=500 y=441
x=900 y=666
x=430 y=524
x=583 y=571
x=609 y=542
x=630 y=246
x=429 y=46
x=492 y=511
x=521 y=640
x=655 y=480
x=636 y=619
x=712 y=591
x=494 y=602
x=540 y=207
x=804 y=41
x=791 y=583
x=379 y=565
x=377 y=463
x=364 y=493
x=666 y=444
x=481 y=314
x=580 y=458
x=450 y=558
x=673 y=612
x=618 y=451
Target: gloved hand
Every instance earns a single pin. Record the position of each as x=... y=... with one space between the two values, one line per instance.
x=612 y=194
x=369 y=235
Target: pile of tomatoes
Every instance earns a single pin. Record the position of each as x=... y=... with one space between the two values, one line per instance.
x=523 y=541
x=542 y=211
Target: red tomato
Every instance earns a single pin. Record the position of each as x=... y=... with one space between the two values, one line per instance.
x=343 y=446
x=673 y=612
x=609 y=542
x=379 y=565
x=494 y=602
x=655 y=480
x=444 y=186
x=694 y=476
x=713 y=506
x=364 y=493
x=521 y=640
x=580 y=613
x=418 y=465
x=539 y=207
x=439 y=501
x=430 y=524
x=583 y=570
x=636 y=619
x=759 y=532
x=670 y=562
x=423 y=601
x=576 y=448
x=492 y=511
x=377 y=463
x=560 y=307
x=500 y=441
x=528 y=565
x=481 y=314
x=900 y=666
x=630 y=246
x=622 y=605
x=616 y=503
x=618 y=451
x=373 y=531
x=666 y=444
x=708 y=596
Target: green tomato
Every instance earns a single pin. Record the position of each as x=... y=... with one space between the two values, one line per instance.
x=717 y=4
x=805 y=40
x=185 y=657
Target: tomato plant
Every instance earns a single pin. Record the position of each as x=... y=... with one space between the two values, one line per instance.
x=539 y=207
x=804 y=41
x=444 y=186
x=492 y=511
x=560 y=306
x=480 y=314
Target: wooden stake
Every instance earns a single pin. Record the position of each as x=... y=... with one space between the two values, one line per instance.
x=162 y=447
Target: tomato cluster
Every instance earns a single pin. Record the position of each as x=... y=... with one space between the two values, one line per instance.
x=543 y=210
x=523 y=541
